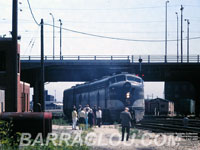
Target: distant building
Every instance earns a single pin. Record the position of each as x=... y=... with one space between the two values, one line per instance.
x=159 y=106
x=48 y=98
x=50 y=102
x=55 y=105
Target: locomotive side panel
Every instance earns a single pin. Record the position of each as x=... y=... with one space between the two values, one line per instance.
x=93 y=98
x=78 y=99
x=84 y=99
x=102 y=98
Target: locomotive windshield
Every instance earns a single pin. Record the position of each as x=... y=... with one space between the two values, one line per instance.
x=130 y=78
x=112 y=80
x=120 y=78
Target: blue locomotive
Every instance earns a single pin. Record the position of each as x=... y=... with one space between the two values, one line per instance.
x=111 y=93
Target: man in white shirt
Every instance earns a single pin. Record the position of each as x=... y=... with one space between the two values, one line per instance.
x=81 y=119
x=99 y=116
x=74 y=119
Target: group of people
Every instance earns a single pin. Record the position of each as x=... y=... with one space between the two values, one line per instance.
x=86 y=116
x=93 y=116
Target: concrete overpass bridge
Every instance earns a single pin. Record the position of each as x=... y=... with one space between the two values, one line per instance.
x=87 y=68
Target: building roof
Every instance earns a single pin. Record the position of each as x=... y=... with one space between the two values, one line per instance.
x=160 y=99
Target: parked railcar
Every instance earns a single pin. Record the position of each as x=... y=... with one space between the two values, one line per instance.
x=111 y=93
x=159 y=106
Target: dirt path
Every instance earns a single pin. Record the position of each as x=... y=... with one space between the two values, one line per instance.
x=108 y=137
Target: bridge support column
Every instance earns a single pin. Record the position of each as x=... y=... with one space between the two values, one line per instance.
x=37 y=106
x=197 y=98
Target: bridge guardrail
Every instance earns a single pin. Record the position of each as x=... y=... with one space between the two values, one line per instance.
x=131 y=58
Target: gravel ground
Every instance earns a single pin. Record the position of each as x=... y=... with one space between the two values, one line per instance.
x=108 y=137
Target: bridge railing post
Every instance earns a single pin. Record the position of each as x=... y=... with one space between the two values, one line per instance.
x=95 y=57
x=128 y=57
x=78 y=57
x=29 y=57
x=198 y=58
x=132 y=58
x=111 y=57
x=45 y=57
x=148 y=58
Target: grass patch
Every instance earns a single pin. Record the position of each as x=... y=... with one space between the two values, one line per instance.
x=60 y=121
x=11 y=141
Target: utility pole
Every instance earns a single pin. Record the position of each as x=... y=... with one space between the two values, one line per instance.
x=14 y=56
x=182 y=33
x=166 y=30
x=188 y=24
x=42 y=67
x=177 y=36
x=60 y=39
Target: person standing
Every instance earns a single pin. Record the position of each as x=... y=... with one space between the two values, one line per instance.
x=94 y=114
x=99 y=116
x=185 y=121
x=74 y=119
x=81 y=119
x=86 y=118
x=126 y=118
x=90 y=118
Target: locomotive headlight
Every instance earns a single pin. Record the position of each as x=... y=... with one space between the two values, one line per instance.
x=128 y=95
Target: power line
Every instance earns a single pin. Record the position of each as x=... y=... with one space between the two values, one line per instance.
x=106 y=9
x=96 y=9
x=95 y=35
x=32 y=13
x=113 y=38
x=32 y=41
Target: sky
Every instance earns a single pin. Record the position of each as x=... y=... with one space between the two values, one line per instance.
x=128 y=19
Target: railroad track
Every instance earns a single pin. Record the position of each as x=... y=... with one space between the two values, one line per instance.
x=169 y=125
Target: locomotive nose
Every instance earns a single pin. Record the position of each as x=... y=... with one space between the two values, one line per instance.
x=127 y=85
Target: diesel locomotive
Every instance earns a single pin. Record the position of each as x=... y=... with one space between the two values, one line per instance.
x=111 y=93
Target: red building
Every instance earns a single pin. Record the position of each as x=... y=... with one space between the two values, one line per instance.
x=7 y=80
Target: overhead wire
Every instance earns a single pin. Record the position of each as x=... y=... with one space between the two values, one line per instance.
x=32 y=13
x=32 y=42
x=96 y=35
x=108 y=37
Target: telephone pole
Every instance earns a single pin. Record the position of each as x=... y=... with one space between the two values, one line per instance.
x=42 y=67
x=14 y=58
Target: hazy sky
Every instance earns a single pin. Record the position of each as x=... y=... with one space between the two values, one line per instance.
x=130 y=19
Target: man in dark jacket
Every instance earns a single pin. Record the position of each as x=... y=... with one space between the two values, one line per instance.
x=126 y=118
